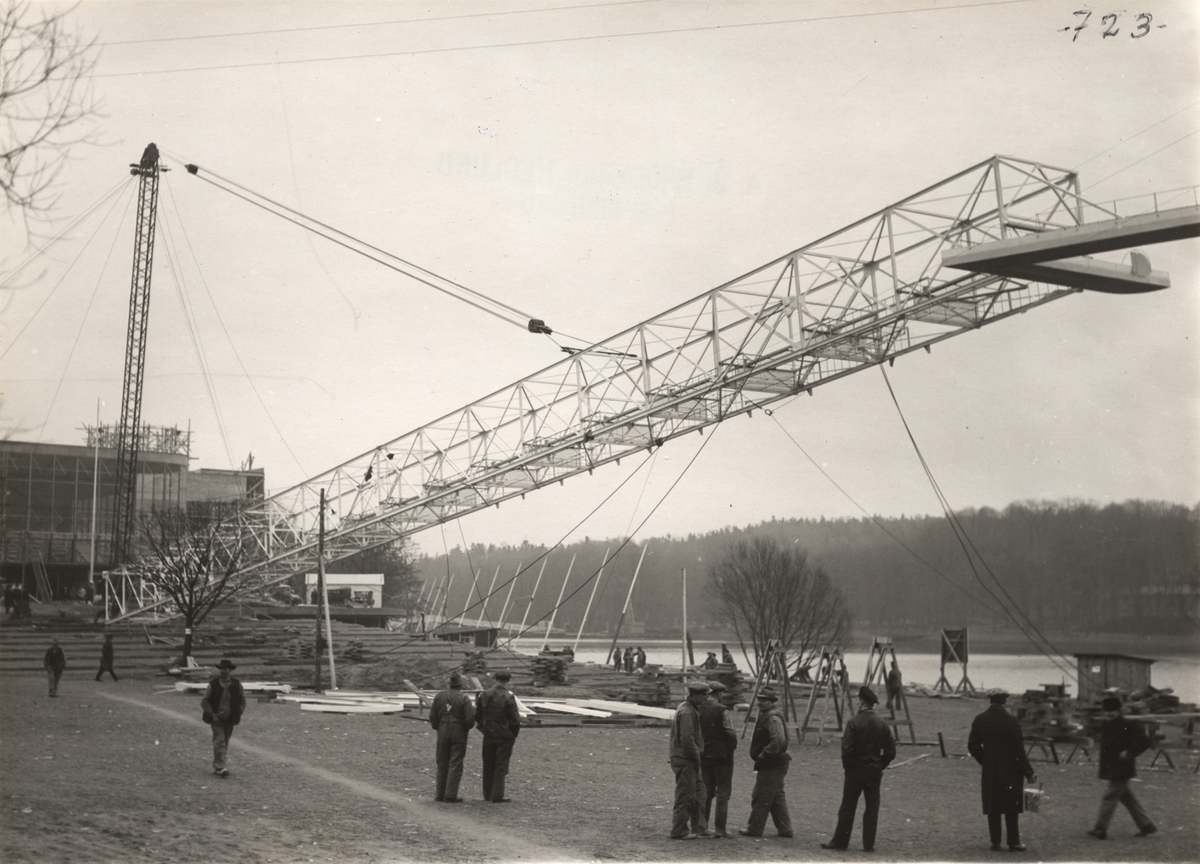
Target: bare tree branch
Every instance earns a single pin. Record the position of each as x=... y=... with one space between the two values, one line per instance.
x=47 y=102
x=768 y=591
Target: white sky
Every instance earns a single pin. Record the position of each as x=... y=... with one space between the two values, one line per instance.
x=594 y=165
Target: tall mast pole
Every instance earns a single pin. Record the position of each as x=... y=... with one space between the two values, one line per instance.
x=557 y=603
x=683 y=660
x=529 y=605
x=591 y=597
x=129 y=426
x=628 y=595
x=511 y=586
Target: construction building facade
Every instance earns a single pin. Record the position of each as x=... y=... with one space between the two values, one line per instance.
x=57 y=502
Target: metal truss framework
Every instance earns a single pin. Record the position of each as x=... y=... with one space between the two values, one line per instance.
x=866 y=294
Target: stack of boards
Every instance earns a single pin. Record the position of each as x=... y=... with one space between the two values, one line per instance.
x=534 y=712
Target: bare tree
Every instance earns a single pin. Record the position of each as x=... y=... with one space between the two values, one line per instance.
x=769 y=591
x=193 y=556
x=47 y=102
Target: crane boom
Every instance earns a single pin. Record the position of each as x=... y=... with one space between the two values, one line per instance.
x=909 y=276
x=129 y=427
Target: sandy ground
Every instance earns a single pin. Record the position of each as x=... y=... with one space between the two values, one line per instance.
x=113 y=772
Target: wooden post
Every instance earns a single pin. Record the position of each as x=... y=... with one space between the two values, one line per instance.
x=683 y=664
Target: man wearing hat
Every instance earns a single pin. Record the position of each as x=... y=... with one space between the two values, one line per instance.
x=1121 y=742
x=686 y=748
x=223 y=704
x=497 y=717
x=997 y=745
x=768 y=749
x=452 y=715
x=867 y=749
x=716 y=763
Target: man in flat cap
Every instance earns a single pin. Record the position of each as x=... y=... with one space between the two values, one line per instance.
x=1121 y=742
x=452 y=715
x=867 y=749
x=55 y=662
x=996 y=743
x=497 y=717
x=716 y=763
x=685 y=749
x=223 y=704
x=768 y=749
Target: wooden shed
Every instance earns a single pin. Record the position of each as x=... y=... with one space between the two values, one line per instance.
x=1099 y=672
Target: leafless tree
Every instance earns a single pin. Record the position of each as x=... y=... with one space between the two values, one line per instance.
x=193 y=555
x=768 y=591
x=47 y=103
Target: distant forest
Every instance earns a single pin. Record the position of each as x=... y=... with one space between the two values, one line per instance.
x=1069 y=566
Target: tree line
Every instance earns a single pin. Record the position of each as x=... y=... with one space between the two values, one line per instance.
x=1068 y=566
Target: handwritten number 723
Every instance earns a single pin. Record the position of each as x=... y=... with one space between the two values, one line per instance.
x=1109 y=23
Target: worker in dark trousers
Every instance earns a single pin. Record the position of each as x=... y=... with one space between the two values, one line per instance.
x=997 y=744
x=684 y=750
x=1121 y=742
x=768 y=749
x=497 y=718
x=452 y=715
x=716 y=762
x=106 y=658
x=867 y=749
x=55 y=662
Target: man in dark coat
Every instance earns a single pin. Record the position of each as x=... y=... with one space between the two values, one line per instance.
x=628 y=659
x=716 y=762
x=497 y=717
x=1121 y=742
x=55 y=662
x=223 y=704
x=616 y=658
x=684 y=752
x=867 y=749
x=768 y=749
x=996 y=743
x=452 y=715
x=106 y=658
x=895 y=688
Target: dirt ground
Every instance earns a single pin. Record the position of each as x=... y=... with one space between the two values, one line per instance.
x=115 y=772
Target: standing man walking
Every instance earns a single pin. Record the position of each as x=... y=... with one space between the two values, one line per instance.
x=1121 y=742
x=452 y=715
x=55 y=662
x=716 y=762
x=497 y=717
x=768 y=749
x=106 y=658
x=686 y=748
x=867 y=749
x=895 y=688
x=223 y=704
x=996 y=743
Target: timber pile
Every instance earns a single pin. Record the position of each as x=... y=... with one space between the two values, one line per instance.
x=549 y=670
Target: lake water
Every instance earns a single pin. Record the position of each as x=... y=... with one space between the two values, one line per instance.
x=1014 y=672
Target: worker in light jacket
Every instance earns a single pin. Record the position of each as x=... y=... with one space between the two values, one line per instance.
x=684 y=752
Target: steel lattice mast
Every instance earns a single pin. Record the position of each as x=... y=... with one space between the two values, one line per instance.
x=997 y=239
x=129 y=427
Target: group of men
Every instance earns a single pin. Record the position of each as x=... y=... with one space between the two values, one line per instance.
x=494 y=713
x=703 y=742
x=16 y=601
x=701 y=755
x=629 y=659
x=55 y=663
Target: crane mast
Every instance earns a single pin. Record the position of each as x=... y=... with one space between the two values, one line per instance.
x=129 y=427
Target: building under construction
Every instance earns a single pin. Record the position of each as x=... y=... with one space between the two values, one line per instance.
x=57 y=503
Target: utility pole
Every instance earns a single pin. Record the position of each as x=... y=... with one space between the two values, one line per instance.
x=319 y=647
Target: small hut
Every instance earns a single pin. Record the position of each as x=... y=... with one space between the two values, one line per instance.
x=1100 y=672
